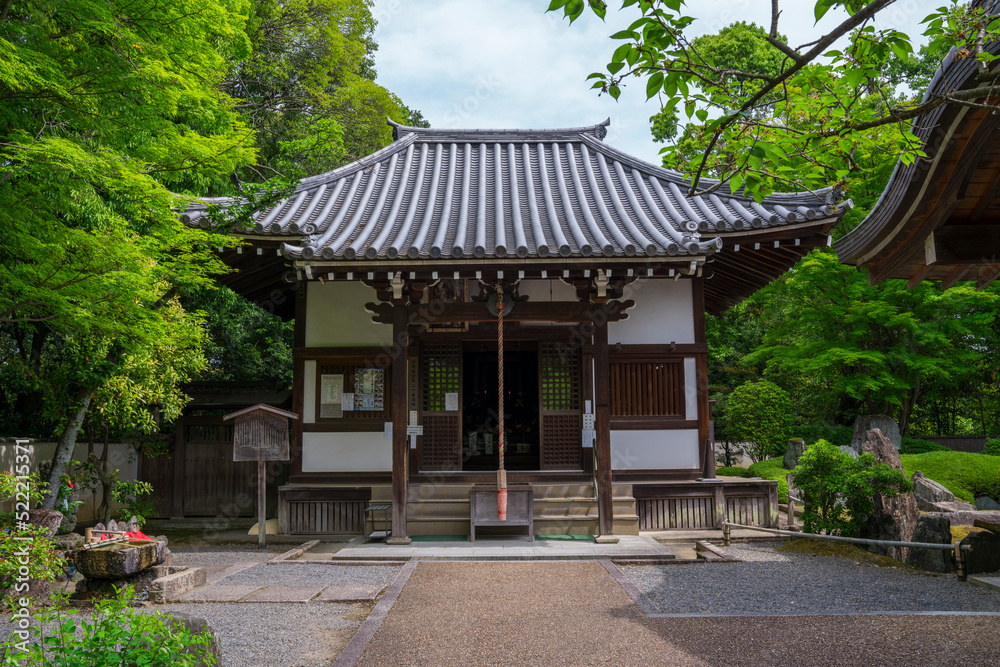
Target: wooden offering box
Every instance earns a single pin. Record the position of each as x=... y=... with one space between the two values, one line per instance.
x=483 y=508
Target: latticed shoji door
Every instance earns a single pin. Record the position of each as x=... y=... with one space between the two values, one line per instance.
x=440 y=374
x=560 y=387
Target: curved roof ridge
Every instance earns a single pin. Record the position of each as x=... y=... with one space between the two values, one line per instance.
x=598 y=130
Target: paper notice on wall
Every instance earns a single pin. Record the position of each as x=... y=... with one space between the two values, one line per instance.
x=413 y=417
x=388 y=430
x=587 y=406
x=347 y=401
x=451 y=401
x=588 y=422
x=331 y=396
x=589 y=435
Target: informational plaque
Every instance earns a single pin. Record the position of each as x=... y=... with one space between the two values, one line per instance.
x=331 y=396
x=347 y=401
x=369 y=389
x=451 y=401
x=588 y=422
x=488 y=442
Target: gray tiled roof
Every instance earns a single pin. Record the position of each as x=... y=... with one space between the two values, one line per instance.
x=442 y=193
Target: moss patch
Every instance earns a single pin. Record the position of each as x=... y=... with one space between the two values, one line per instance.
x=964 y=474
x=839 y=550
x=959 y=533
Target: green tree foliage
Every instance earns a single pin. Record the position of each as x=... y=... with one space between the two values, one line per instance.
x=107 y=110
x=308 y=87
x=821 y=96
x=872 y=349
x=245 y=342
x=759 y=414
x=840 y=490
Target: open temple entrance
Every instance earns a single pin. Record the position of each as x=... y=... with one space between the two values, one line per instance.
x=480 y=434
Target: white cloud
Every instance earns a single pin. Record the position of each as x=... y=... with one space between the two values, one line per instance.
x=508 y=64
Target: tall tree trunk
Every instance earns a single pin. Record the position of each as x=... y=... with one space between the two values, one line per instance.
x=64 y=450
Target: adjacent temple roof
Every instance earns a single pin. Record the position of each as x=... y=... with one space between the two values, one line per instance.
x=441 y=195
x=939 y=217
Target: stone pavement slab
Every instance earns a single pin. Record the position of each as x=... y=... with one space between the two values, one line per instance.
x=285 y=594
x=515 y=548
x=349 y=594
x=216 y=593
x=986 y=580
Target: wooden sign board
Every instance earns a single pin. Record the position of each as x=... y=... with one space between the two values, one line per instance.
x=261 y=434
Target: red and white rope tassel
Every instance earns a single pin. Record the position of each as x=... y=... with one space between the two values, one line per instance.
x=501 y=473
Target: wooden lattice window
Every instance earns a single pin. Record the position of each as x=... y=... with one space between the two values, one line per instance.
x=441 y=374
x=560 y=386
x=560 y=377
x=653 y=388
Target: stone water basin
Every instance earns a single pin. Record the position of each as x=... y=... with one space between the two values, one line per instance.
x=120 y=559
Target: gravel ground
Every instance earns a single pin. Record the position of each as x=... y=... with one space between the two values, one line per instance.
x=310 y=575
x=773 y=582
x=221 y=556
x=279 y=635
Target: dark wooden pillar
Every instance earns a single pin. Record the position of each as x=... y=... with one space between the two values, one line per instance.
x=706 y=447
x=400 y=343
x=298 y=380
x=602 y=413
x=180 y=468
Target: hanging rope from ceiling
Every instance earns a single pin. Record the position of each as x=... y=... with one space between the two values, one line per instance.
x=501 y=472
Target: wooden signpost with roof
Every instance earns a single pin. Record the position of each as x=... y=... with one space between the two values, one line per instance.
x=261 y=435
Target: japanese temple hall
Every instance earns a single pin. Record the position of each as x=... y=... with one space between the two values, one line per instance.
x=396 y=269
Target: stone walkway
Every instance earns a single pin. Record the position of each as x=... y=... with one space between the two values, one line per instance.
x=628 y=546
x=577 y=613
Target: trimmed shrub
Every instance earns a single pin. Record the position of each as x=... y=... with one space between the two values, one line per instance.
x=835 y=435
x=772 y=469
x=759 y=414
x=921 y=446
x=992 y=447
x=732 y=471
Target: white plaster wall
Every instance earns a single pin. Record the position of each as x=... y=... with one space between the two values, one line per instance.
x=691 y=388
x=336 y=316
x=663 y=313
x=653 y=450
x=309 y=393
x=346 y=452
x=545 y=291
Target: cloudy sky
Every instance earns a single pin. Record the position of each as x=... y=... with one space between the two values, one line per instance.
x=507 y=64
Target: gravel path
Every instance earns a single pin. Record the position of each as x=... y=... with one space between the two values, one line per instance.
x=221 y=556
x=773 y=582
x=279 y=635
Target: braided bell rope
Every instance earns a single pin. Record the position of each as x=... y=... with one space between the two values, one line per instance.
x=500 y=447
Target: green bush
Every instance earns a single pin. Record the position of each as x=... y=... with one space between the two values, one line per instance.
x=137 y=500
x=732 y=471
x=964 y=474
x=759 y=414
x=839 y=490
x=835 y=435
x=115 y=634
x=921 y=446
x=772 y=469
x=992 y=447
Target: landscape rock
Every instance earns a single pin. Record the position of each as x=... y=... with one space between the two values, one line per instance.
x=796 y=447
x=893 y=518
x=197 y=624
x=992 y=526
x=969 y=518
x=935 y=530
x=849 y=451
x=953 y=506
x=115 y=563
x=984 y=552
x=926 y=488
x=48 y=519
x=885 y=424
x=68 y=542
x=986 y=503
